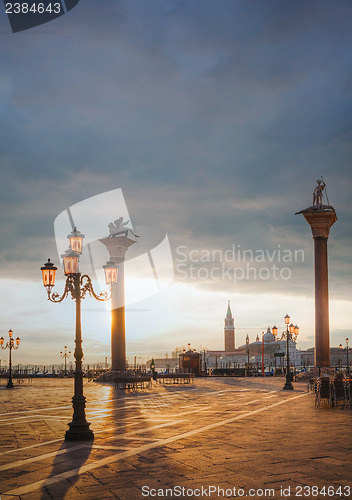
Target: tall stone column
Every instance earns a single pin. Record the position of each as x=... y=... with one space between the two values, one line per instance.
x=117 y=246
x=321 y=218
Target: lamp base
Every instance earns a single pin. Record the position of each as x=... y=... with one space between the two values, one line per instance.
x=10 y=384
x=79 y=431
x=288 y=387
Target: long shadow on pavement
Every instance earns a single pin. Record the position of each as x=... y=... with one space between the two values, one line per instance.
x=76 y=455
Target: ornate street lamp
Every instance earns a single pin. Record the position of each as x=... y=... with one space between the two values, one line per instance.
x=65 y=355
x=77 y=286
x=48 y=272
x=75 y=239
x=290 y=334
x=70 y=261
x=11 y=344
x=111 y=272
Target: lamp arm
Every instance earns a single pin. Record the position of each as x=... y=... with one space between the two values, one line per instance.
x=88 y=288
x=283 y=336
x=55 y=297
x=291 y=336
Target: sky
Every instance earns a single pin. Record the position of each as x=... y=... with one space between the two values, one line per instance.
x=214 y=120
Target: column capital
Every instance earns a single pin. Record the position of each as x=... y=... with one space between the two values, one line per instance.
x=117 y=247
x=320 y=221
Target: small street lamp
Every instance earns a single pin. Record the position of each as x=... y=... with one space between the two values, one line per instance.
x=152 y=368
x=65 y=355
x=10 y=345
x=290 y=334
x=77 y=286
x=346 y=349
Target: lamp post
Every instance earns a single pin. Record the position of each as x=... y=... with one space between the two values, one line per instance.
x=11 y=344
x=77 y=286
x=346 y=349
x=65 y=355
x=290 y=334
x=216 y=361
x=247 y=370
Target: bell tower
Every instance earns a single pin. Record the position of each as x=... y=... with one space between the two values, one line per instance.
x=229 y=330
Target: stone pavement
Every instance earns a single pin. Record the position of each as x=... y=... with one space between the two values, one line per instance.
x=222 y=433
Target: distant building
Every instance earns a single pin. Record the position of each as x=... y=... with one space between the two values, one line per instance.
x=163 y=365
x=338 y=357
x=307 y=357
x=251 y=352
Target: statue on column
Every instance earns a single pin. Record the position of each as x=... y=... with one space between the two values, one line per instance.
x=118 y=227
x=318 y=193
x=318 y=202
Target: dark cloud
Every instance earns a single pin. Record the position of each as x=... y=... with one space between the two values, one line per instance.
x=217 y=116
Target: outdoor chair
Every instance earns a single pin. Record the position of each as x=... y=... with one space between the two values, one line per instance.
x=323 y=391
x=312 y=384
x=349 y=391
x=339 y=391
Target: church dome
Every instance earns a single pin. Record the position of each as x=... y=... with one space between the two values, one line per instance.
x=268 y=336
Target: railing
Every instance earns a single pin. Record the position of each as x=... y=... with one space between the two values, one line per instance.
x=132 y=379
x=174 y=378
